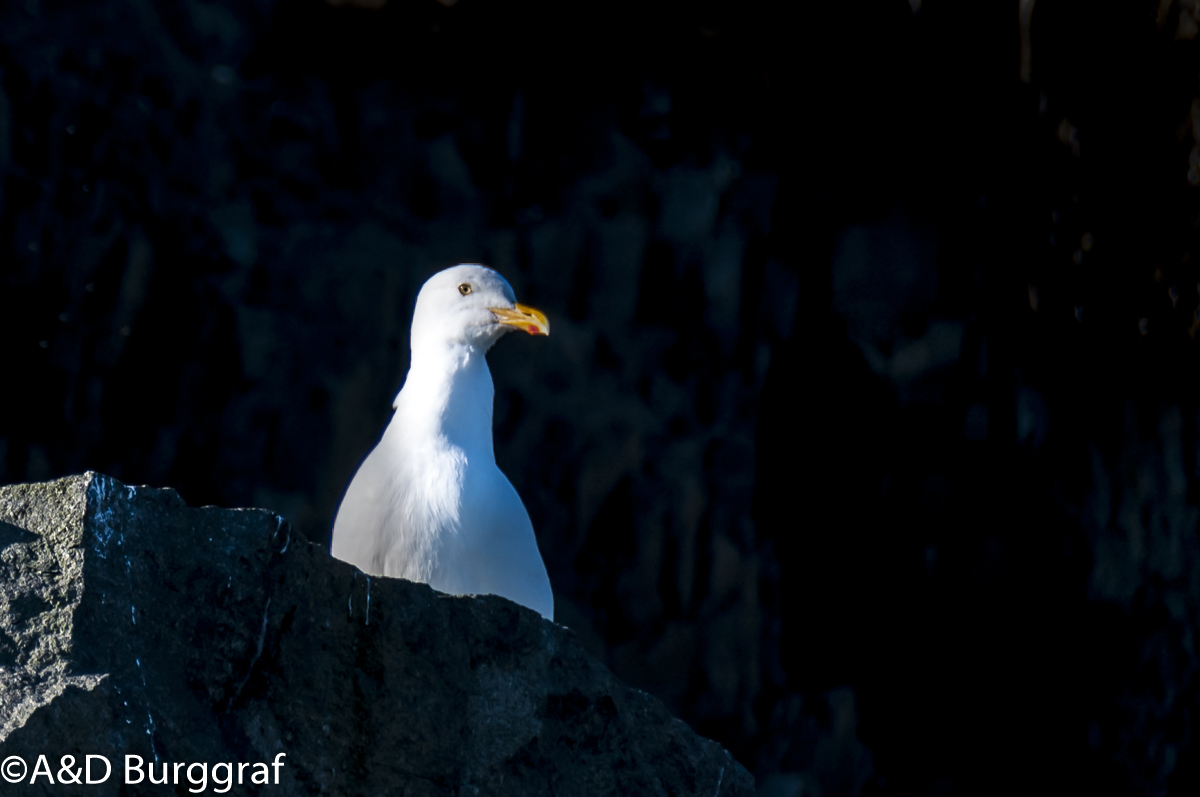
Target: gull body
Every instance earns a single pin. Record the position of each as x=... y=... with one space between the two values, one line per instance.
x=429 y=503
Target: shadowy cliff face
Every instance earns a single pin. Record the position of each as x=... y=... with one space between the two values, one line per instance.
x=219 y=217
x=136 y=626
x=866 y=435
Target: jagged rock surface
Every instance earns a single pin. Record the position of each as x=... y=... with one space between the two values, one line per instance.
x=132 y=624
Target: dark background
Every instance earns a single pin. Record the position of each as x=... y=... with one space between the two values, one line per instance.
x=866 y=437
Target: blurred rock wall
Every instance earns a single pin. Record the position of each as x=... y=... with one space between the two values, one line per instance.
x=214 y=250
x=867 y=434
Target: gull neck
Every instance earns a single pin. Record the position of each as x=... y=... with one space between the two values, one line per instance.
x=448 y=393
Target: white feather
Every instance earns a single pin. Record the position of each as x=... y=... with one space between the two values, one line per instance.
x=429 y=504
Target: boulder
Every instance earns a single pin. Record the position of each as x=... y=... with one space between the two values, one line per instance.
x=204 y=645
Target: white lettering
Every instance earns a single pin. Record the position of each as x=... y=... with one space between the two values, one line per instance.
x=227 y=781
x=130 y=769
x=203 y=782
x=88 y=768
x=165 y=777
x=195 y=775
x=42 y=767
x=65 y=766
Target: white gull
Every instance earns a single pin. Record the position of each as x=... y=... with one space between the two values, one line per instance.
x=428 y=503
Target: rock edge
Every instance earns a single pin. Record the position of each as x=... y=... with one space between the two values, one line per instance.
x=132 y=624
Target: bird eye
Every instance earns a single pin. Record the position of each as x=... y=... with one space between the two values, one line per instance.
x=464 y=289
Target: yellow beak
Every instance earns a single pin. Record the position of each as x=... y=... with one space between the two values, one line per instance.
x=523 y=317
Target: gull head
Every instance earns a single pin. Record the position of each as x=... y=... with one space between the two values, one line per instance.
x=471 y=305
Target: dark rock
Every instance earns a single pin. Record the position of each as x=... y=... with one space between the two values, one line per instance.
x=218 y=266
x=133 y=625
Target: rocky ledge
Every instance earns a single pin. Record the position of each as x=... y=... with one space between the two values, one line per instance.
x=132 y=625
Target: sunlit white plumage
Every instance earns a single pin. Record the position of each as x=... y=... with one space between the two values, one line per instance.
x=429 y=504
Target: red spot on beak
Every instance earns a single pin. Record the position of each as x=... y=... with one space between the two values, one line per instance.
x=531 y=329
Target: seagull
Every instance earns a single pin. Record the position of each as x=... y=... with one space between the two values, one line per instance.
x=428 y=503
